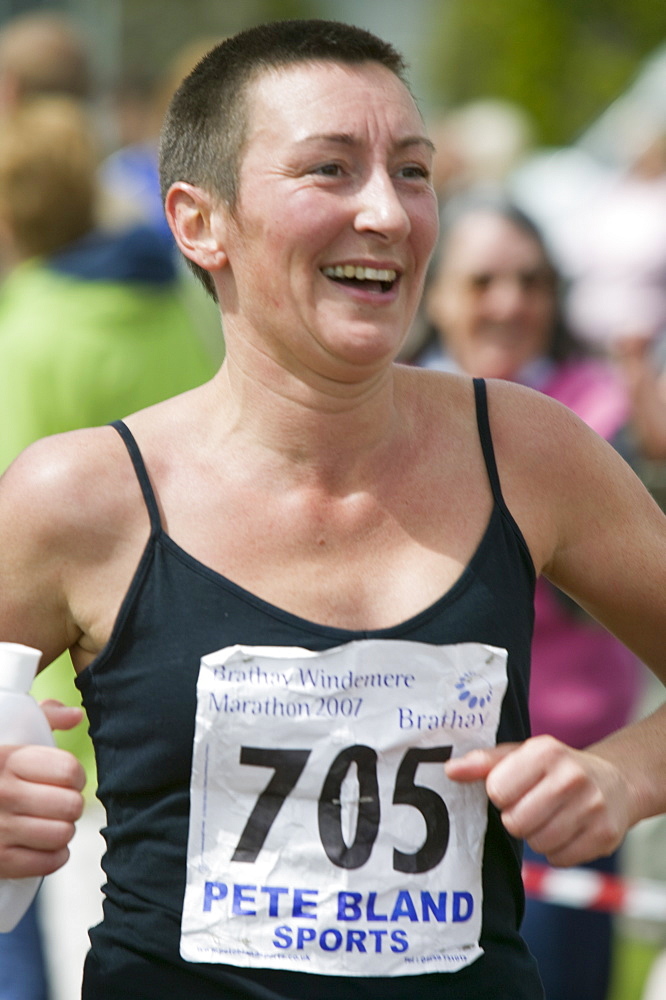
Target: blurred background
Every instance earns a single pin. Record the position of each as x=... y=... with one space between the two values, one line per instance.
x=563 y=63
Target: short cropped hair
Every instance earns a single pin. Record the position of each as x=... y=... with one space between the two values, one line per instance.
x=48 y=163
x=205 y=128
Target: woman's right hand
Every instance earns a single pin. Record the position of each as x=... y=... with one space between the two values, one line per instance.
x=40 y=801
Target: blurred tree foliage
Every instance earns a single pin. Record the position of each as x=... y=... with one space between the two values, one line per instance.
x=563 y=61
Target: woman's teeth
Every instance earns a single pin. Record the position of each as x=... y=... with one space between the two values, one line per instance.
x=360 y=273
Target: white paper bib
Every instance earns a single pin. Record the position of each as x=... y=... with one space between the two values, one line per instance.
x=324 y=835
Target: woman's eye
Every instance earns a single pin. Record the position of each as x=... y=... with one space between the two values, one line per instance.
x=328 y=170
x=414 y=170
x=480 y=282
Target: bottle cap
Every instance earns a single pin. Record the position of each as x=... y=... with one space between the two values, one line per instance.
x=18 y=666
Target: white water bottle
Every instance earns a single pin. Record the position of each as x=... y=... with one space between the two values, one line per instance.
x=21 y=722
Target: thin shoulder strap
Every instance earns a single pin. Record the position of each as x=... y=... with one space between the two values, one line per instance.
x=485 y=437
x=483 y=424
x=141 y=474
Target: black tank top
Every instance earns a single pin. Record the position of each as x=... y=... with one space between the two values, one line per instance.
x=140 y=695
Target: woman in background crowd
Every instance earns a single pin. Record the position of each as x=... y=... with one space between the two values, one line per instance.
x=493 y=304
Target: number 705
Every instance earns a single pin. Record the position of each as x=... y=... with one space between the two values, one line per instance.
x=288 y=766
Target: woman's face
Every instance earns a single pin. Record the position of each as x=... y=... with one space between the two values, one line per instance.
x=335 y=222
x=492 y=300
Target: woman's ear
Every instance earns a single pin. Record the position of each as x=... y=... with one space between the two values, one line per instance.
x=197 y=224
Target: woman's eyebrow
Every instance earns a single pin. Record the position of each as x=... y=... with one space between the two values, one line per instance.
x=347 y=139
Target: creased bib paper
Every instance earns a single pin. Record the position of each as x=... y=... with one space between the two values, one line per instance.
x=324 y=834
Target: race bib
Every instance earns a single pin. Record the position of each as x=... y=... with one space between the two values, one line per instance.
x=324 y=834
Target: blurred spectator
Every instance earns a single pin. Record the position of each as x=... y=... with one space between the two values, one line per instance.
x=645 y=379
x=129 y=177
x=40 y=53
x=92 y=317
x=131 y=173
x=478 y=145
x=92 y=327
x=493 y=301
x=43 y=53
x=641 y=362
x=615 y=247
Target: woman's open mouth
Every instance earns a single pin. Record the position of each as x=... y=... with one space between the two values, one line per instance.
x=372 y=278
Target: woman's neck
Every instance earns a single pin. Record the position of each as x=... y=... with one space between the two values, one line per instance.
x=332 y=430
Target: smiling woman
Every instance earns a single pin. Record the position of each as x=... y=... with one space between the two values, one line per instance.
x=315 y=512
x=327 y=188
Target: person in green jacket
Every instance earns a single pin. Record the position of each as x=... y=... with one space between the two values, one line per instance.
x=92 y=321
x=93 y=325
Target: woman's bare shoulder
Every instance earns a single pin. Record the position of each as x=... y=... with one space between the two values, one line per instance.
x=62 y=484
x=70 y=509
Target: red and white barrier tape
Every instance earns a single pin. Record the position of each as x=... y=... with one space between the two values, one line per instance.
x=586 y=889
